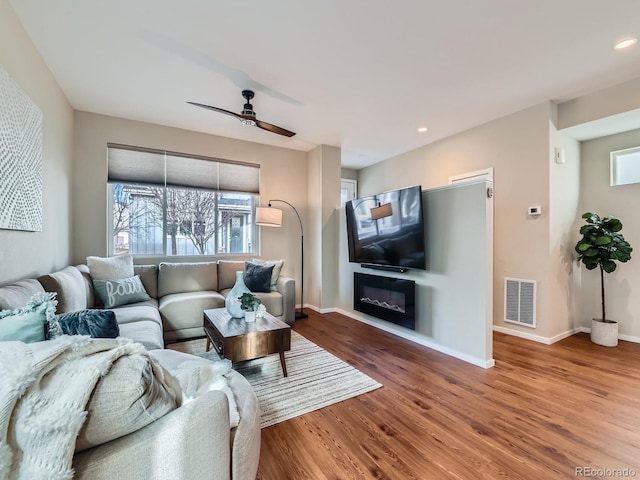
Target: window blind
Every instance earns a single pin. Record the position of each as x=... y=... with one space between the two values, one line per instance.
x=128 y=164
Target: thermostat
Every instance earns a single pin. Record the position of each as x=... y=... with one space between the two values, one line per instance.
x=535 y=210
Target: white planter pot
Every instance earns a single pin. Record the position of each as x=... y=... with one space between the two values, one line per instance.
x=249 y=316
x=604 y=333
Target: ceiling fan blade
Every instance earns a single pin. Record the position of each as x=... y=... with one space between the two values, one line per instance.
x=216 y=109
x=273 y=128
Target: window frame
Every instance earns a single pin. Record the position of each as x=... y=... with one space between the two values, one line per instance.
x=251 y=232
x=614 y=156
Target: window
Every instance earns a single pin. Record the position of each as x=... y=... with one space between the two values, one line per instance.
x=164 y=203
x=625 y=166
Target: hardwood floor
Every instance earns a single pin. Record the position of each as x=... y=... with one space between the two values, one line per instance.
x=540 y=413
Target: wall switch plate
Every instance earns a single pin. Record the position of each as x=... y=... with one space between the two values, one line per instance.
x=535 y=210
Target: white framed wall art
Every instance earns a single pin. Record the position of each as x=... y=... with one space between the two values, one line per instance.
x=20 y=158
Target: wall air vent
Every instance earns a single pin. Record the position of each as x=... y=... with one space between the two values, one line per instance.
x=520 y=301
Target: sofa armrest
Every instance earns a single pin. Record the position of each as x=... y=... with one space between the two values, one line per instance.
x=287 y=287
x=190 y=442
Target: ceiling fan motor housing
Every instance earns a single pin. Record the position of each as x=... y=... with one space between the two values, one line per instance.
x=248 y=108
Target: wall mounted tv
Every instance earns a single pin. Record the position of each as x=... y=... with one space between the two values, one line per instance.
x=387 y=230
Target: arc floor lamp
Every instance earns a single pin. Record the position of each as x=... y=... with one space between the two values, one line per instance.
x=272 y=217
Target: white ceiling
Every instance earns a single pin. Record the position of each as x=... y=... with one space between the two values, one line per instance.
x=362 y=75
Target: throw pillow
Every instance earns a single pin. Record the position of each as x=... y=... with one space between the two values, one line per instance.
x=135 y=392
x=110 y=268
x=34 y=322
x=114 y=293
x=277 y=269
x=257 y=278
x=95 y=323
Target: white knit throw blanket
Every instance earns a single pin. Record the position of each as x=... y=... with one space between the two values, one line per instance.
x=44 y=390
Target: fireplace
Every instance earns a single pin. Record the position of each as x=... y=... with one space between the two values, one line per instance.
x=391 y=299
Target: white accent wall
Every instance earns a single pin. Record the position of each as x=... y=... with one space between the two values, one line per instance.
x=454 y=296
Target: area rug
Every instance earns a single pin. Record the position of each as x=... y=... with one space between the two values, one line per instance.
x=316 y=379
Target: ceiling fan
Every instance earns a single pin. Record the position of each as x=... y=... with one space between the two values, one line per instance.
x=248 y=116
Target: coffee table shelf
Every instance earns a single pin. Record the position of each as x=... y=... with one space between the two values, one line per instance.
x=238 y=340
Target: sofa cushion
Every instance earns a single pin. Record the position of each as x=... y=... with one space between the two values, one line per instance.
x=88 y=285
x=145 y=332
x=135 y=392
x=257 y=278
x=17 y=294
x=111 y=268
x=70 y=288
x=186 y=277
x=114 y=293
x=149 y=276
x=272 y=301
x=227 y=273
x=95 y=323
x=180 y=309
x=138 y=311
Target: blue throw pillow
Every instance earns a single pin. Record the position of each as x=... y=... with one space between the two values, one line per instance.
x=257 y=278
x=34 y=322
x=95 y=323
x=114 y=293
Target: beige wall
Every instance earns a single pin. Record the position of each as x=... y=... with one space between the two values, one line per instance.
x=26 y=254
x=564 y=191
x=329 y=225
x=517 y=147
x=621 y=287
x=313 y=235
x=283 y=175
x=608 y=102
x=324 y=195
x=349 y=173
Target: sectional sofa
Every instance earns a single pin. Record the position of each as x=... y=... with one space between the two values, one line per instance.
x=196 y=438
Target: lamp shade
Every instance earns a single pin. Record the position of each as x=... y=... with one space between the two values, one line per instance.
x=268 y=217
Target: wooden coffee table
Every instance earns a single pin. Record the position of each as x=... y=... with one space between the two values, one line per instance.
x=237 y=340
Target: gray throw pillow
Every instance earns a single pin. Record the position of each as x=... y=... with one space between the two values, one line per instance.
x=257 y=278
x=95 y=323
x=114 y=293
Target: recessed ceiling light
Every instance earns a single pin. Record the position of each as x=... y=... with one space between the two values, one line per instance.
x=626 y=43
x=422 y=129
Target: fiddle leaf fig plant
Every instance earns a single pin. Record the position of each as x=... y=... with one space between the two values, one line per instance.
x=601 y=246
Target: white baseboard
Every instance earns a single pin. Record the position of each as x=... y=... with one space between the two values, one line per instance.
x=626 y=338
x=319 y=310
x=556 y=338
x=535 y=338
x=418 y=338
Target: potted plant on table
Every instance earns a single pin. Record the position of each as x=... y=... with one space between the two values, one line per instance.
x=249 y=303
x=601 y=246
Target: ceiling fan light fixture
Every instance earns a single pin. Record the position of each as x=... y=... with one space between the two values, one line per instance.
x=248 y=122
x=625 y=43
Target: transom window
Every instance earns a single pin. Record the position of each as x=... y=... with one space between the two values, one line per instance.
x=625 y=166
x=166 y=203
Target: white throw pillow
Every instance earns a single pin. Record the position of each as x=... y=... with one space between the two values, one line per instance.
x=110 y=268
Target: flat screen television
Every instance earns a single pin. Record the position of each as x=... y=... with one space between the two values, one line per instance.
x=387 y=230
